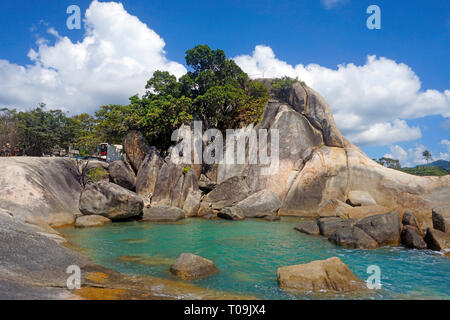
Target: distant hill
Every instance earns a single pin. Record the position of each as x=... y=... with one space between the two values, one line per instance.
x=438 y=163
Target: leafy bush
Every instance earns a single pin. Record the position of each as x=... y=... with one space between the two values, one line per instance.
x=97 y=174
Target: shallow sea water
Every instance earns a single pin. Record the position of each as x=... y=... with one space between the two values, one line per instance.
x=249 y=252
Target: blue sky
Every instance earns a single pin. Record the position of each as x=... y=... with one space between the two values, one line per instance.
x=382 y=105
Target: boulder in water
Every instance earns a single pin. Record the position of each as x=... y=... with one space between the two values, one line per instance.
x=383 y=228
x=308 y=227
x=91 y=221
x=352 y=237
x=412 y=238
x=190 y=266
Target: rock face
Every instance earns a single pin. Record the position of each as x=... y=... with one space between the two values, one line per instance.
x=111 y=201
x=352 y=237
x=91 y=221
x=231 y=213
x=163 y=214
x=228 y=193
x=437 y=240
x=360 y=198
x=190 y=266
x=383 y=228
x=325 y=275
x=136 y=148
x=334 y=208
x=328 y=225
x=148 y=174
x=44 y=187
x=441 y=219
x=409 y=219
x=411 y=238
x=259 y=205
x=192 y=203
x=122 y=175
x=59 y=220
x=309 y=227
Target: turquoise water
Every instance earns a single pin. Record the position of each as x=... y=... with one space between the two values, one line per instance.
x=249 y=252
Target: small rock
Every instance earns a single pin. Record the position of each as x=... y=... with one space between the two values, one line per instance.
x=231 y=213
x=328 y=225
x=191 y=266
x=91 y=221
x=163 y=214
x=383 y=228
x=309 y=227
x=353 y=237
x=409 y=219
x=411 y=238
x=318 y=276
x=360 y=198
x=272 y=218
x=334 y=208
x=441 y=219
x=437 y=240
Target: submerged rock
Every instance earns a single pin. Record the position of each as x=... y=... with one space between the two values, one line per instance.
x=412 y=238
x=189 y=266
x=122 y=175
x=91 y=221
x=163 y=214
x=383 y=228
x=318 y=276
x=111 y=201
x=309 y=227
x=352 y=237
x=441 y=219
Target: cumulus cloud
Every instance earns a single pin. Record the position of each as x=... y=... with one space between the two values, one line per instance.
x=116 y=57
x=413 y=156
x=370 y=103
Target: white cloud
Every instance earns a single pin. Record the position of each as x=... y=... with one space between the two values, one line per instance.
x=414 y=156
x=114 y=60
x=368 y=101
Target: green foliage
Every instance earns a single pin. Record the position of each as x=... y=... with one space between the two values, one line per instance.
x=425 y=171
x=97 y=174
x=186 y=169
x=281 y=87
x=389 y=163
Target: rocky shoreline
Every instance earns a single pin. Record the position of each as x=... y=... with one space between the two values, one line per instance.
x=349 y=198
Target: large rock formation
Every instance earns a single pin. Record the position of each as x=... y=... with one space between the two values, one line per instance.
x=136 y=147
x=122 y=175
x=111 y=201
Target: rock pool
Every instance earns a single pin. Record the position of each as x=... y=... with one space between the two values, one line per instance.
x=249 y=252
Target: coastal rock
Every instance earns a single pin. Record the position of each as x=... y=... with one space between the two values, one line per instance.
x=136 y=148
x=192 y=203
x=323 y=275
x=352 y=237
x=334 y=208
x=409 y=219
x=259 y=205
x=308 y=227
x=231 y=213
x=437 y=240
x=111 y=201
x=204 y=209
x=441 y=219
x=148 y=174
x=91 y=221
x=62 y=219
x=228 y=193
x=328 y=225
x=358 y=198
x=383 y=228
x=163 y=214
x=272 y=218
x=122 y=175
x=362 y=212
x=411 y=238
x=189 y=266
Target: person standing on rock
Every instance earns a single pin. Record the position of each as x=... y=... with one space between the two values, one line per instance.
x=7 y=150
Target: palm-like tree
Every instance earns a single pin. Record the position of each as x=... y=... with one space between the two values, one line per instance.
x=427 y=155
